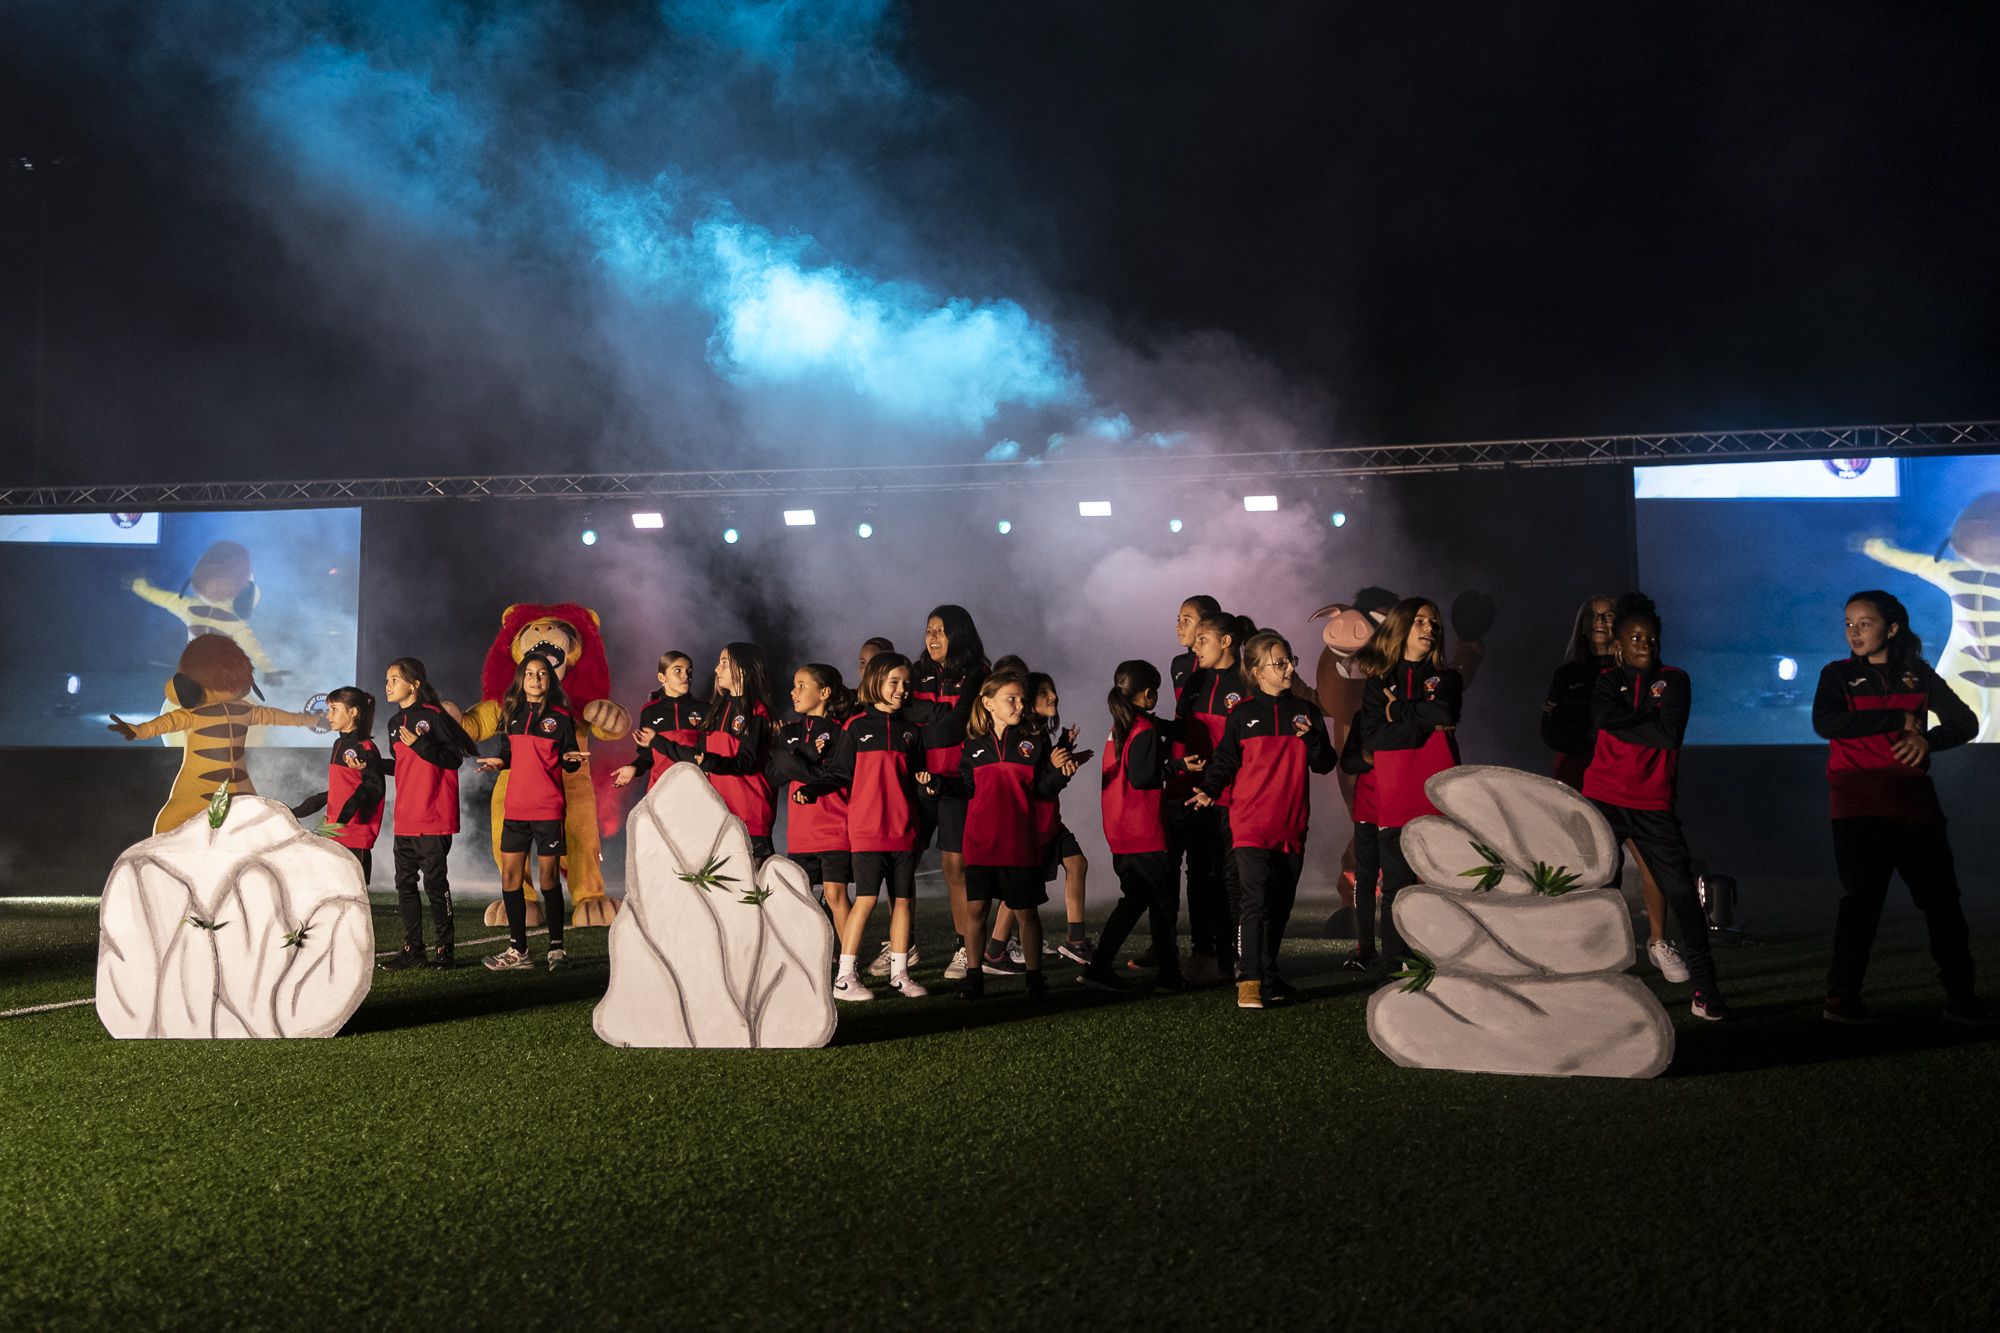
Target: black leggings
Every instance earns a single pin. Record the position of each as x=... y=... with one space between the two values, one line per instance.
x=1146 y=888
x=1268 y=885
x=1657 y=834
x=1868 y=851
x=1396 y=876
x=1200 y=836
x=1367 y=870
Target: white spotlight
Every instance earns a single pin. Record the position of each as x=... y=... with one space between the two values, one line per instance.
x=1261 y=504
x=1094 y=508
x=865 y=530
x=799 y=518
x=1173 y=525
x=1003 y=527
x=1788 y=668
x=590 y=536
x=1339 y=519
x=649 y=520
x=730 y=535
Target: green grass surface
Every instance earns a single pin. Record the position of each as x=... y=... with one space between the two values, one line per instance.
x=468 y=1153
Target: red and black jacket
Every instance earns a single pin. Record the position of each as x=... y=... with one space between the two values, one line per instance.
x=538 y=736
x=1270 y=743
x=940 y=706
x=1860 y=708
x=1178 y=672
x=675 y=722
x=875 y=760
x=1408 y=739
x=1566 y=727
x=1001 y=777
x=799 y=754
x=1202 y=713
x=735 y=746
x=426 y=772
x=1641 y=717
x=1135 y=774
x=354 y=795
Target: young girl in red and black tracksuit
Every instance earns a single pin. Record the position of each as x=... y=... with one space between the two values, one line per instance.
x=1175 y=813
x=1566 y=728
x=1061 y=853
x=1212 y=689
x=1274 y=738
x=815 y=832
x=426 y=747
x=877 y=761
x=944 y=681
x=1007 y=765
x=1409 y=713
x=672 y=717
x=735 y=743
x=1640 y=709
x=1872 y=706
x=1136 y=764
x=540 y=746
x=354 y=785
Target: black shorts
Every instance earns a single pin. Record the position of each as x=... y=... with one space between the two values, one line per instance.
x=825 y=867
x=521 y=835
x=875 y=872
x=1062 y=845
x=1019 y=887
x=943 y=817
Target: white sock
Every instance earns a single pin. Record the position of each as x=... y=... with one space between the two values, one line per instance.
x=846 y=966
x=899 y=967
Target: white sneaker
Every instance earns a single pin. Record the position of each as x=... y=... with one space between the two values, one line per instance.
x=852 y=988
x=1668 y=959
x=956 y=969
x=909 y=988
x=1014 y=953
x=880 y=967
x=513 y=960
x=558 y=958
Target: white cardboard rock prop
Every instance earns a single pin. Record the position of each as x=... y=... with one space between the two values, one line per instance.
x=703 y=954
x=1518 y=980
x=255 y=928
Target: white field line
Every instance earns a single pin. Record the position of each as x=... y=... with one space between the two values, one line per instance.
x=92 y=999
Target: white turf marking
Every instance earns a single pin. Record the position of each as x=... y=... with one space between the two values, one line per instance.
x=92 y=999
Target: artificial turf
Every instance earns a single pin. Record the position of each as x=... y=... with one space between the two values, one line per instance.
x=468 y=1153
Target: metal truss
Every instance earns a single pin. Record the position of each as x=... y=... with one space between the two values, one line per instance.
x=1152 y=468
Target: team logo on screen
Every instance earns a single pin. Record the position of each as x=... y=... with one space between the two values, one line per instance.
x=1847 y=469
x=549 y=725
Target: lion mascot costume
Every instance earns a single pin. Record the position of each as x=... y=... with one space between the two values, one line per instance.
x=566 y=634
x=214 y=718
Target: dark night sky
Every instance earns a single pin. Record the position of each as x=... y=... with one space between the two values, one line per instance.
x=1450 y=221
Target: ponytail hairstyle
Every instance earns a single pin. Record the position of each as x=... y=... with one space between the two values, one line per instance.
x=1384 y=649
x=510 y=704
x=749 y=659
x=1132 y=679
x=1579 y=648
x=1258 y=650
x=1230 y=627
x=980 y=723
x=412 y=670
x=839 y=699
x=964 y=653
x=1903 y=644
x=877 y=671
x=667 y=659
x=363 y=704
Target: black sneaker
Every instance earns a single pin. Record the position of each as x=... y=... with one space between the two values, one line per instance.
x=1359 y=962
x=1846 y=1009
x=1709 y=1004
x=443 y=960
x=1003 y=966
x=1277 y=990
x=405 y=957
x=1970 y=1013
x=1104 y=979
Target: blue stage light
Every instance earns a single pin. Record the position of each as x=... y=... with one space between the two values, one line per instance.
x=730 y=535
x=590 y=536
x=1339 y=519
x=865 y=530
x=1173 y=525
x=1004 y=527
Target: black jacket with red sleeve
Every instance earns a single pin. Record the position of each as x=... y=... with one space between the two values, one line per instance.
x=800 y=751
x=1641 y=716
x=1566 y=727
x=1001 y=777
x=1271 y=742
x=426 y=771
x=1405 y=722
x=874 y=760
x=1178 y=672
x=354 y=795
x=1202 y=713
x=675 y=722
x=735 y=746
x=1861 y=709
x=940 y=706
x=1130 y=790
x=538 y=736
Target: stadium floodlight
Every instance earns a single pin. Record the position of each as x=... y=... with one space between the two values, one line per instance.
x=1261 y=504
x=1094 y=508
x=799 y=518
x=649 y=520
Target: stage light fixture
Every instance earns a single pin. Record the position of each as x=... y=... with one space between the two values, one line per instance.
x=649 y=520
x=1261 y=504
x=865 y=531
x=73 y=685
x=1788 y=668
x=1173 y=525
x=799 y=518
x=1003 y=527
x=590 y=536
x=730 y=535
x=1339 y=519
x=1094 y=508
